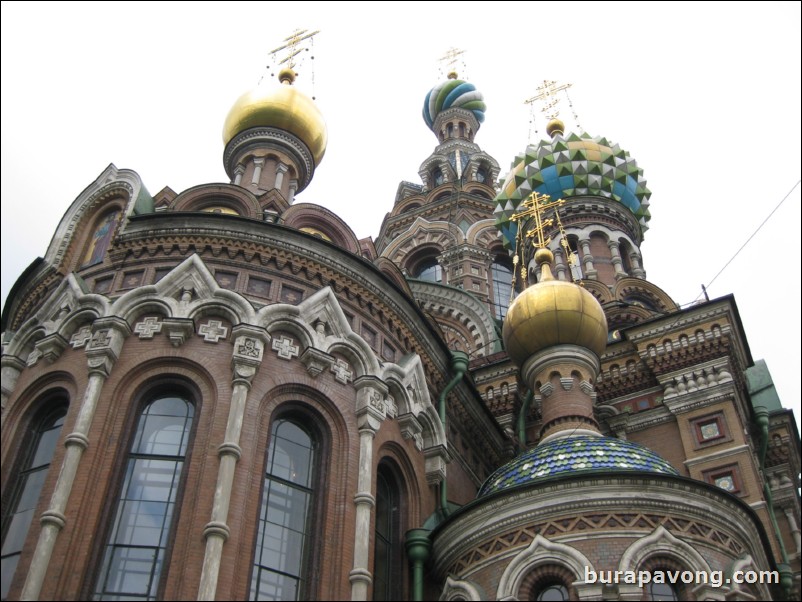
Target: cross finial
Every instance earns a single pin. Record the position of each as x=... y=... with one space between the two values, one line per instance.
x=547 y=93
x=292 y=45
x=449 y=61
x=536 y=205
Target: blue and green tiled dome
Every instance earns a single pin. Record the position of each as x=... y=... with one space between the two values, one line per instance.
x=572 y=166
x=575 y=455
x=453 y=93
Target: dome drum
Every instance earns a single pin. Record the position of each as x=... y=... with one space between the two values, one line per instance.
x=269 y=138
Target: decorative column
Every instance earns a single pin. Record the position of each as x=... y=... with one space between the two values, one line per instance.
x=11 y=366
x=637 y=267
x=293 y=190
x=790 y=516
x=370 y=412
x=587 y=259
x=103 y=350
x=560 y=267
x=616 y=258
x=239 y=170
x=249 y=344
x=257 y=170
x=281 y=169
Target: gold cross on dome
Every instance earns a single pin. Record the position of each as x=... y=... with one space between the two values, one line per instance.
x=292 y=46
x=535 y=206
x=547 y=93
x=449 y=59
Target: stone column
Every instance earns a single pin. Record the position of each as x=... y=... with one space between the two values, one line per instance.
x=281 y=169
x=560 y=265
x=370 y=411
x=257 y=170
x=102 y=351
x=239 y=170
x=637 y=267
x=293 y=190
x=790 y=516
x=616 y=258
x=12 y=366
x=587 y=259
x=249 y=344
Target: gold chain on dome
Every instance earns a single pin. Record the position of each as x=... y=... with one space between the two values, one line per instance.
x=535 y=206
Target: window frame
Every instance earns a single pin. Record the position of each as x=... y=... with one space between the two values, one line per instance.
x=50 y=410
x=311 y=424
x=175 y=388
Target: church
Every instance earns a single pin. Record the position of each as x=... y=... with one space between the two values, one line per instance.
x=222 y=393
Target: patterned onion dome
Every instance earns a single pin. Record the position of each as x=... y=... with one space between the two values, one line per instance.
x=567 y=456
x=453 y=93
x=572 y=166
x=283 y=107
x=553 y=312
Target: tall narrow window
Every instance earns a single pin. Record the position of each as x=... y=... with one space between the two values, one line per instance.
x=23 y=492
x=501 y=272
x=388 y=567
x=136 y=552
x=283 y=547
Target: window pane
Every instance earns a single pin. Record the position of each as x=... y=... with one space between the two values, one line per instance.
x=502 y=288
x=140 y=533
x=283 y=533
x=26 y=487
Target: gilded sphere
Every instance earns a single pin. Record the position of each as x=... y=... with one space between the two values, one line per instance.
x=554 y=127
x=553 y=312
x=282 y=107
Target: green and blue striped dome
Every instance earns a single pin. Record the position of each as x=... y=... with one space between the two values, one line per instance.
x=572 y=166
x=575 y=455
x=453 y=93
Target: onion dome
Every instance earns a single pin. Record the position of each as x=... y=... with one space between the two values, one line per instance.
x=284 y=108
x=568 y=166
x=553 y=312
x=453 y=93
x=581 y=454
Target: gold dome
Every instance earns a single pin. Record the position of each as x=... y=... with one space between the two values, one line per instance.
x=282 y=107
x=553 y=312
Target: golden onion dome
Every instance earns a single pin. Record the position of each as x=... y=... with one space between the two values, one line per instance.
x=283 y=107
x=553 y=312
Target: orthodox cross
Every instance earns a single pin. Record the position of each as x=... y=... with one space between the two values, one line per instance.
x=449 y=59
x=547 y=92
x=535 y=206
x=292 y=45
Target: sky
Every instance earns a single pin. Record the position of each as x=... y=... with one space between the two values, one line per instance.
x=705 y=95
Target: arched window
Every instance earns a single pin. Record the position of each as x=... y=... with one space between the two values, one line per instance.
x=663 y=591
x=548 y=582
x=22 y=494
x=501 y=271
x=141 y=531
x=554 y=592
x=450 y=130
x=481 y=175
x=624 y=250
x=388 y=567
x=430 y=270
x=437 y=176
x=283 y=541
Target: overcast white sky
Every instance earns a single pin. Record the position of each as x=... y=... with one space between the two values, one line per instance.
x=706 y=96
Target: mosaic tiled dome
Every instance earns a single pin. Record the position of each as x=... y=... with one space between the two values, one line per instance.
x=453 y=93
x=572 y=166
x=573 y=455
